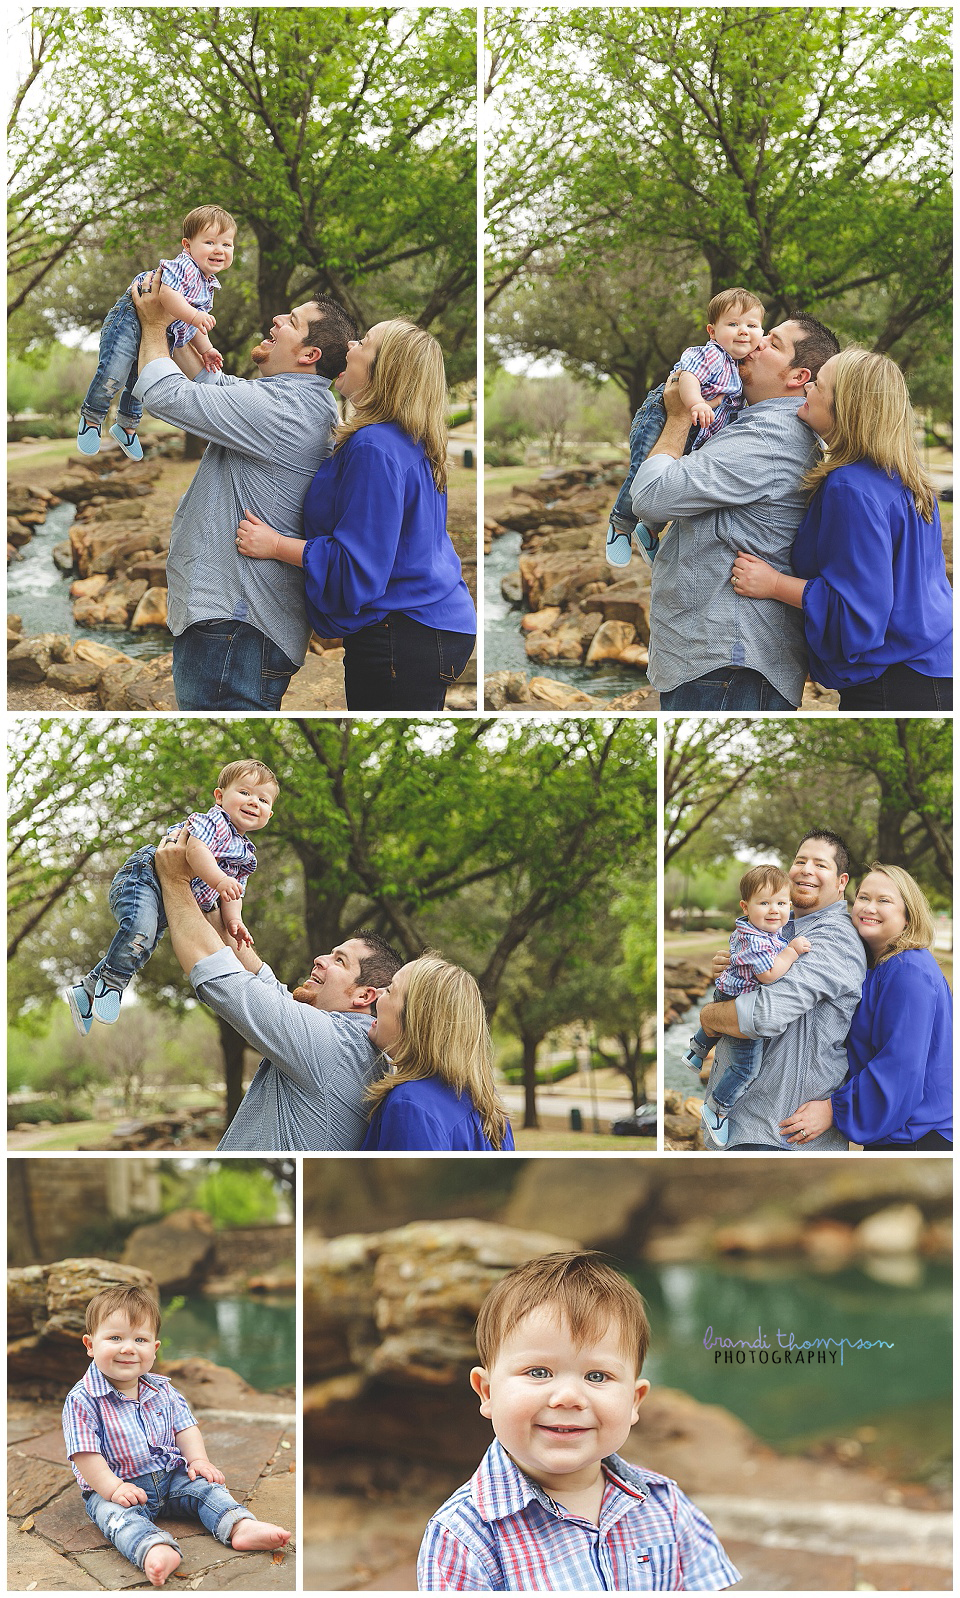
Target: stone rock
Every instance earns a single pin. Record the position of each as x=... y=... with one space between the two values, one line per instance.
x=88 y=587
x=635 y=655
x=609 y=641
x=177 y=1251
x=558 y=696
x=541 y=648
x=33 y=1566
x=18 y=533
x=100 y=654
x=627 y=601
x=153 y=572
x=73 y=676
x=895 y=1230
x=681 y=1128
x=151 y=610
x=759 y=1235
x=511 y=588
x=63 y=556
x=502 y=688
x=54 y=1298
x=594 y=1211
x=139 y=685
x=536 y=621
x=318 y=685
x=14 y=623
x=30 y=660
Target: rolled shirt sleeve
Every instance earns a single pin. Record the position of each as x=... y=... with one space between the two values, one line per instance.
x=723 y=475
x=231 y=411
x=293 y=1036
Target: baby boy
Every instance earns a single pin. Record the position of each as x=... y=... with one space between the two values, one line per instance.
x=553 y=1508
x=186 y=293
x=222 y=857
x=136 y=1449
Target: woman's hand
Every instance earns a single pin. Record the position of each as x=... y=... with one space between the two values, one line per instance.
x=753 y=578
x=810 y=1121
x=256 y=539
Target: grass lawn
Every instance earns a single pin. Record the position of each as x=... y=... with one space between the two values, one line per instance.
x=543 y=1142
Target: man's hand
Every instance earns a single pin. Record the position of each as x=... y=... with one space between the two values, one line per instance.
x=128 y=1494
x=673 y=401
x=203 y=1467
x=212 y=361
x=720 y=962
x=147 y=302
x=170 y=860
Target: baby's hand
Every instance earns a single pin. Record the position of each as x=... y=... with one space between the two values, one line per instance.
x=701 y=414
x=229 y=888
x=240 y=936
x=203 y=1467
x=128 y=1494
x=212 y=361
x=204 y=321
x=802 y=945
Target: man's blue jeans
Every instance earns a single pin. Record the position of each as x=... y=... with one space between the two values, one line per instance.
x=117 y=370
x=229 y=665
x=729 y=688
x=137 y=903
x=744 y=1059
x=132 y=1530
x=645 y=429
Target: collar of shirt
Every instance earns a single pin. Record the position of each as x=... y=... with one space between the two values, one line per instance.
x=98 y=1386
x=499 y=1488
x=815 y=917
x=186 y=256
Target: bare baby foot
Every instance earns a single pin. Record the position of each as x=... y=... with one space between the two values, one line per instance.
x=250 y=1534
x=161 y=1562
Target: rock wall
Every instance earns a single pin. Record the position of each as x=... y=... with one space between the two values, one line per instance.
x=46 y=1305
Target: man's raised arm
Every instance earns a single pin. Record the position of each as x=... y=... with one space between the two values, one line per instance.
x=192 y=934
x=738 y=467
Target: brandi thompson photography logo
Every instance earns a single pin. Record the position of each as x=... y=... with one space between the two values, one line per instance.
x=784 y=1348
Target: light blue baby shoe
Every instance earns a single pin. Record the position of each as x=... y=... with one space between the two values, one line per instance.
x=81 y=1008
x=106 y=1003
x=128 y=441
x=618 y=551
x=719 y=1129
x=88 y=437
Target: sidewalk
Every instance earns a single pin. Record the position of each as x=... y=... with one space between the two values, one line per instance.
x=52 y=1546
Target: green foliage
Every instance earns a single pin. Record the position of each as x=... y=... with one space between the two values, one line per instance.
x=804 y=152
x=235 y=1198
x=37 y=1110
x=342 y=140
x=55 y=388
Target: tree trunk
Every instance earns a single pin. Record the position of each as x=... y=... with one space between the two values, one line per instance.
x=233 y=1046
x=273 y=277
x=530 y=1044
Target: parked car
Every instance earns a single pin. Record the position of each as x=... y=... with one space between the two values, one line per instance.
x=641 y=1123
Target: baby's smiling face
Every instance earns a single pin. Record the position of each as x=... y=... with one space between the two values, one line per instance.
x=559 y=1408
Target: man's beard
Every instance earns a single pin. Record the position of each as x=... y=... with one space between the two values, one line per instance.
x=305 y=994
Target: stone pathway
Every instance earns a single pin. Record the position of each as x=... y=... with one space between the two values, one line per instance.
x=53 y=1547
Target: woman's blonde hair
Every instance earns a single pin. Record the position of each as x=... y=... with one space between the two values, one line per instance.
x=407 y=385
x=919 y=930
x=444 y=1033
x=873 y=421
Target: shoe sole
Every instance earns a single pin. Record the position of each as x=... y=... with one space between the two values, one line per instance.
x=131 y=456
x=81 y=1022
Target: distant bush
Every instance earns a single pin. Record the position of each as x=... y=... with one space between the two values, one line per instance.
x=459 y=417
x=38 y=1110
x=502 y=454
x=36 y=427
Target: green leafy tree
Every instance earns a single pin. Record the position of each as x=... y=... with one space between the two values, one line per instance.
x=802 y=151
x=341 y=138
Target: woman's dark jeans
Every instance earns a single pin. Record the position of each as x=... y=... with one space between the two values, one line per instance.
x=398 y=664
x=899 y=688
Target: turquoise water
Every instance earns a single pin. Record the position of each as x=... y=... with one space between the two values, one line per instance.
x=901 y=1390
x=256 y=1337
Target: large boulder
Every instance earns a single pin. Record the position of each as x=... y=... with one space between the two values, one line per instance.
x=610 y=641
x=151 y=611
x=46 y=1306
x=30 y=660
x=177 y=1251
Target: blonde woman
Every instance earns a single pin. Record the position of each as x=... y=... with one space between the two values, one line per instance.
x=439 y=1092
x=379 y=568
x=871 y=579
x=899 y=1091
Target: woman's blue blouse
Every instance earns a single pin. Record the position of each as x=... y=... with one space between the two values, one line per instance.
x=428 y=1115
x=877 y=593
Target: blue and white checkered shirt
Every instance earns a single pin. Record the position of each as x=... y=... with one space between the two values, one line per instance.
x=751 y=950
x=502 y=1533
x=741 y=491
x=134 y=1435
x=232 y=850
x=185 y=276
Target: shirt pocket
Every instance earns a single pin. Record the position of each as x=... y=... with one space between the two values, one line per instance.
x=657 y=1567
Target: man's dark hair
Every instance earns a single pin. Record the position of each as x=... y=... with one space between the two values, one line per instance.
x=380 y=966
x=816 y=346
x=332 y=330
x=842 y=853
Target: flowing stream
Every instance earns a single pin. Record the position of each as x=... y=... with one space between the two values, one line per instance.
x=39 y=592
x=252 y=1335
x=503 y=640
